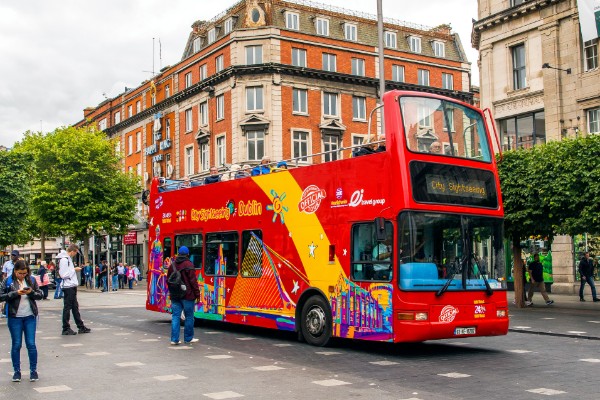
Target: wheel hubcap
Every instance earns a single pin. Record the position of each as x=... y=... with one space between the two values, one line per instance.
x=315 y=321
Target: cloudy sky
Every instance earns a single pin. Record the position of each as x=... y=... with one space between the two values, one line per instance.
x=59 y=56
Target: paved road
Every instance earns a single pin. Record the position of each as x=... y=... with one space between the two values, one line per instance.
x=128 y=356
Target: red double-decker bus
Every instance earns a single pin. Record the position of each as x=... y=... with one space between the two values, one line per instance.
x=401 y=243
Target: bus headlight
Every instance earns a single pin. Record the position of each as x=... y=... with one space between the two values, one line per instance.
x=421 y=316
x=411 y=316
x=501 y=313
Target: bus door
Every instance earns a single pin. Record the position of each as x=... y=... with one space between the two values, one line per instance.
x=220 y=270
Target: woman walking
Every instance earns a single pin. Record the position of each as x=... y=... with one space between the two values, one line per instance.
x=20 y=291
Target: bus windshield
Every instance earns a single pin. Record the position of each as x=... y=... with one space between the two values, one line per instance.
x=444 y=252
x=426 y=122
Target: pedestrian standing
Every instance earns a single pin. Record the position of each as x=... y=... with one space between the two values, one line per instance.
x=68 y=273
x=187 y=301
x=104 y=275
x=115 y=277
x=8 y=266
x=130 y=277
x=121 y=272
x=44 y=281
x=20 y=291
x=136 y=274
x=536 y=276
x=586 y=272
x=58 y=293
x=87 y=275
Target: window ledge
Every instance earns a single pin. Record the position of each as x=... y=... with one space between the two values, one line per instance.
x=300 y=114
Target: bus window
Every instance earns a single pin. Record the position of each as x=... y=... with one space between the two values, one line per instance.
x=252 y=254
x=194 y=243
x=371 y=260
x=221 y=254
x=167 y=245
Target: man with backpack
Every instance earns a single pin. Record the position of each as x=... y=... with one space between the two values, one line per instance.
x=68 y=274
x=184 y=293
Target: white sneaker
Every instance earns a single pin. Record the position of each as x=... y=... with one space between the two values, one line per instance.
x=194 y=340
x=529 y=303
x=175 y=343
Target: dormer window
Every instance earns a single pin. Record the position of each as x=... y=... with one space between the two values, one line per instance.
x=228 y=26
x=414 y=43
x=390 y=39
x=350 y=32
x=196 y=45
x=322 y=26
x=292 y=20
x=212 y=35
x=439 y=48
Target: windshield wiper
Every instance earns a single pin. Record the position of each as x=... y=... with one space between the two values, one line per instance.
x=482 y=272
x=449 y=281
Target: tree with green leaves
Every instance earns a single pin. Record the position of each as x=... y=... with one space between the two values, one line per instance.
x=14 y=198
x=78 y=186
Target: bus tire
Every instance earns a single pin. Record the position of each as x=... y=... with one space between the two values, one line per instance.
x=316 y=321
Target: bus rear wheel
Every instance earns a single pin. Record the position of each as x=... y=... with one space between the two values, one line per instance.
x=316 y=321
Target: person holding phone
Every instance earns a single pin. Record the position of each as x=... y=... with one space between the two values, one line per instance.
x=20 y=291
x=68 y=274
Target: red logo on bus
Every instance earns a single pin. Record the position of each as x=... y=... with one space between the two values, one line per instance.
x=448 y=314
x=311 y=199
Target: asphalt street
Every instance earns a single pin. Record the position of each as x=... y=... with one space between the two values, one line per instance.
x=549 y=351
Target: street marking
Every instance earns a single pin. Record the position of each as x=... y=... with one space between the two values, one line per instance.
x=149 y=340
x=50 y=337
x=548 y=392
x=455 y=375
x=331 y=382
x=385 y=362
x=212 y=333
x=130 y=364
x=219 y=357
x=268 y=368
x=518 y=351
x=52 y=389
x=101 y=329
x=282 y=345
x=576 y=332
x=459 y=343
x=245 y=338
x=180 y=347
x=97 y=353
x=521 y=327
x=164 y=378
x=327 y=353
x=223 y=395
x=591 y=360
x=5 y=360
x=72 y=344
x=548 y=318
x=594 y=322
x=122 y=334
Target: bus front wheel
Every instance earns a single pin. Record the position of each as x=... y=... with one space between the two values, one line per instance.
x=316 y=321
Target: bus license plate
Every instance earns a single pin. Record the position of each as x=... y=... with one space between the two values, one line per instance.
x=464 y=331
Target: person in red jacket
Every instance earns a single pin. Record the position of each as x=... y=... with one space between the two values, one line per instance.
x=186 y=304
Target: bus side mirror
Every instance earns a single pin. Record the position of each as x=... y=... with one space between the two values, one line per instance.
x=380 y=229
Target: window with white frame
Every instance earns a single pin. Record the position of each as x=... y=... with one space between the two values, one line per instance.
x=359 y=107
x=300 y=101
x=129 y=111
x=219 y=63
x=516 y=2
x=138 y=107
x=228 y=26
x=188 y=120
x=167 y=91
x=253 y=55
x=102 y=125
x=204 y=156
x=212 y=35
x=414 y=43
x=322 y=26
x=203 y=72
x=298 y=57
x=130 y=145
x=439 y=48
x=358 y=67
x=357 y=140
x=593 y=117
x=331 y=144
x=220 y=156
x=292 y=20
x=117 y=117
x=330 y=104
x=590 y=52
x=189 y=160
x=390 y=39
x=220 y=107
x=254 y=98
x=138 y=169
x=203 y=109
x=329 y=62
x=398 y=73
x=423 y=77
x=300 y=145
x=350 y=32
x=196 y=45
x=167 y=128
x=447 y=81
x=188 y=80
x=518 y=64
x=450 y=116
x=138 y=142
x=424 y=116
x=255 y=143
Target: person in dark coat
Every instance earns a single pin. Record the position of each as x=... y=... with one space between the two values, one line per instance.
x=214 y=176
x=192 y=296
x=586 y=271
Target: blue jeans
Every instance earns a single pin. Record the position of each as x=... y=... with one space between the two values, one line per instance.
x=17 y=326
x=187 y=306
x=115 y=282
x=58 y=293
x=590 y=281
x=104 y=284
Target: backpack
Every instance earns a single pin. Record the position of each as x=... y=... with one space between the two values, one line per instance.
x=176 y=284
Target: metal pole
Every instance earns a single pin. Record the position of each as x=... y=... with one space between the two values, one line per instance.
x=381 y=61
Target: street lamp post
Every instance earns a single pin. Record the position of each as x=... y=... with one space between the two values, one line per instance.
x=381 y=60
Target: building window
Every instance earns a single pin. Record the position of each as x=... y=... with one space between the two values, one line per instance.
x=204 y=156
x=593 y=117
x=189 y=160
x=138 y=142
x=188 y=120
x=221 y=150
x=253 y=55
x=358 y=66
x=300 y=145
x=188 y=80
x=447 y=81
x=129 y=111
x=254 y=98
x=102 y=125
x=196 y=45
x=450 y=116
x=516 y=2
x=523 y=131
x=322 y=26
x=292 y=20
x=300 y=101
x=129 y=145
x=220 y=107
x=138 y=169
x=167 y=91
x=168 y=128
x=518 y=62
x=424 y=117
x=423 y=75
x=398 y=73
x=203 y=108
x=219 y=63
x=357 y=140
x=228 y=26
x=330 y=104
x=390 y=39
x=212 y=35
x=359 y=108
x=117 y=117
x=350 y=32
x=138 y=107
x=331 y=144
x=255 y=141
x=203 y=72
x=414 y=43
x=590 y=52
x=298 y=57
x=439 y=48
x=329 y=61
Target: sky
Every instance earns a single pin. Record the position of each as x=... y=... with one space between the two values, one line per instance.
x=58 y=57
